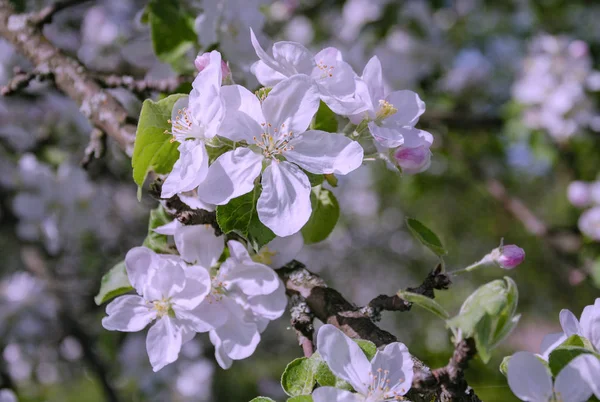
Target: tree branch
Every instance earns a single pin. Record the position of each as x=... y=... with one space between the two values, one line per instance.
x=103 y=110
x=45 y=16
x=143 y=86
x=22 y=79
x=302 y=322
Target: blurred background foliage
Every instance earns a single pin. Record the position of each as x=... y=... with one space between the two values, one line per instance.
x=494 y=175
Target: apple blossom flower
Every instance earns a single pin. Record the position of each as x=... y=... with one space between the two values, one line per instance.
x=203 y=60
x=391 y=117
x=195 y=121
x=579 y=194
x=506 y=257
x=413 y=160
x=385 y=378
x=332 y=76
x=275 y=131
x=168 y=292
x=530 y=379
x=589 y=223
x=280 y=250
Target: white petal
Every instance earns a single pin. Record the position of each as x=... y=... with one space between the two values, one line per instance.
x=250 y=277
x=238 y=252
x=551 y=342
x=189 y=171
x=264 y=56
x=344 y=357
x=410 y=107
x=230 y=176
x=198 y=244
x=323 y=152
x=528 y=378
x=138 y=263
x=195 y=291
x=373 y=76
x=337 y=82
x=396 y=360
x=270 y=306
x=208 y=315
x=166 y=281
x=191 y=200
x=293 y=57
x=169 y=229
x=588 y=367
x=282 y=250
x=292 y=104
x=590 y=323
x=569 y=323
x=239 y=337
x=389 y=137
x=266 y=75
x=128 y=313
x=571 y=384
x=224 y=361
x=330 y=394
x=414 y=138
x=243 y=114
x=284 y=204
x=163 y=343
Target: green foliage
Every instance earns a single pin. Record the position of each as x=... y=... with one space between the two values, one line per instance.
x=240 y=216
x=325 y=214
x=314 y=179
x=426 y=236
x=262 y=399
x=504 y=365
x=488 y=315
x=300 y=398
x=153 y=149
x=172 y=32
x=572 y=347
x=424 y=302
x=114 y=283
x=299 y=377
x=155 y=241
x=325 y=119
x=368 y=348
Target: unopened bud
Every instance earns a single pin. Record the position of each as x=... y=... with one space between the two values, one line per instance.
x=508 y=257
x=203 y=60
x=413 y=160
x=579 y=194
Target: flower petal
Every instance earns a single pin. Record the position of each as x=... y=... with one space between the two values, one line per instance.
x=208 y=315
x=230 y=176
x=528 y=378
x=264 y=56
x=590 y=323
x=138 y=263
x=166 y=281
x=195 y=291
x=551 y=342
x=189 y=170
x=266 y=75
x=344 y=357
x=291 y=104
x=293 y=57
x=198 y=244
x=238 y=252
x=239 y=337
x=410 y=107
x=396 y=361
x=270 y=306
x=128 y=313
x=284 y=204
x=386 y=136
x=414 y=137
x=337 y=80
x=281 y=250
x=330 y=394
x=572 y=381
x=163 y=343
x=250 y=277
x=323 y=152
x=373 y=76
x=220 y=356
x=243 y=114
x=569 y=323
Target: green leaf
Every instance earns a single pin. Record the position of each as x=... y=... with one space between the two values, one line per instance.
x=562 y=355
x=325 y=214
x=172 y=32
x=299 y=377
x=240 y=216
x=325 y=119
x=331 y=179
x=301 y=398
x=426 y=236
x=314 y=179
x=114 y=283
x=482 y=336
x=262 y=399
x=424 y=302
x=153 y=149
x=155 y=241
x=367 y=347
x=504 y=365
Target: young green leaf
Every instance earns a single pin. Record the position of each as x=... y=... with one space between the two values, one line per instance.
x=114 y=283
x=153 y=149
x=562 y=355
x=325 y=214
x=504 y=365
x=424 y=302
x=301 y=398
x=325 y=119
x=240 y=216
x=155 y=241
x=299 y=377
x=368 y=348
x=262 y=399
x=426 y=236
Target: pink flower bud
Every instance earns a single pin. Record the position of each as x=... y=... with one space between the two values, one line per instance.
x=579 y=194
x=508 y=257
x=203 y=60
x=413 y=160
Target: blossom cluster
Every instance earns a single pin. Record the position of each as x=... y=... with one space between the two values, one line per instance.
x=529 y=375
x=587 y=195
x=553 y=87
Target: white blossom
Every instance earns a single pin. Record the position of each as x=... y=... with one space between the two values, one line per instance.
x=385 y=378
x=280 y=250
x=589 y=223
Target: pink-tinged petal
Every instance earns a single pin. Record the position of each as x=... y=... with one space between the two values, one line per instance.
x=330 y=394
x=243 y=114
x=293 y=57
x=266 y=75
x=410 y=107
x=291 y=105
x=284 y=204
x=574 y=382
x=397 y=363
x=528 y=378
x=139 y=261
x=281 y=250
x=413 y=160
x=323 y=152
x=189 y=171
x=163 y=343
x=344 y=357
x=203 y=60
x=230 y=176
x=197 y=244
x=128 y=313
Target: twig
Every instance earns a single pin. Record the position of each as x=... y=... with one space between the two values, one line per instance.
x=45 y=16
x=22 y=79
x=302 y=322
x=143 y=86
x=95 y=149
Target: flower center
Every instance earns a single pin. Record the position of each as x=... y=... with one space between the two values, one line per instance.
x=264 y=256
x=162 y=307
x=218 y=288
x=326 y=71
x=183 y=126
x=274 y=141
x=380 y=387
x=386 y=109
